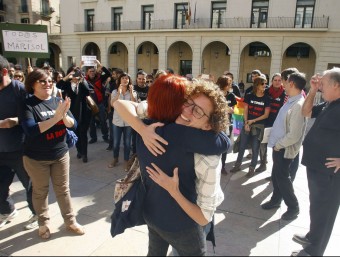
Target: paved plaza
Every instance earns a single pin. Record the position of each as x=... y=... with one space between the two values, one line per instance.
x=242 y=227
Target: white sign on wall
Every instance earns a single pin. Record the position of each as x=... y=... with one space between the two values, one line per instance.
x=25 y=41
x=89 y=60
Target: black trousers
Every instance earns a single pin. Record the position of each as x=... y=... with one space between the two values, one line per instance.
x=282 y=183
x=81 y=132
x=324 y=197
x=11 y=164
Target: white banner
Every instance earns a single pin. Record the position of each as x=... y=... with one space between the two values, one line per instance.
x=25 y=41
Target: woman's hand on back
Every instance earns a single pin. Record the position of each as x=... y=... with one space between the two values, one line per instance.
x=170 y=184
x=152 y=140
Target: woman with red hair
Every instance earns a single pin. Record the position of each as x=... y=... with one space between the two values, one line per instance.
x=192 y=116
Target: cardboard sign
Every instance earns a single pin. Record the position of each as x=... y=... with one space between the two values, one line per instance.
x=24 y=40
x=89 y=60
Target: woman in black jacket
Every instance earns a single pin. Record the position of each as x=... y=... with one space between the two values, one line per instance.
x=74 y=86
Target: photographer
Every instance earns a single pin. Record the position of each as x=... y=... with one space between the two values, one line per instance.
x=74 y=86
x=97 y=79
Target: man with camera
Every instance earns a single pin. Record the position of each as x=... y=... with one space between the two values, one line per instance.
x=97 y=79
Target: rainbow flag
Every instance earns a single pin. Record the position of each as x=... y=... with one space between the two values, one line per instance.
x=238 y=116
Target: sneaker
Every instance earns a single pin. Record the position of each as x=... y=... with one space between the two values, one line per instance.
x=109 y=148
x=32 y=222
x=4 y=218
x=249 y=156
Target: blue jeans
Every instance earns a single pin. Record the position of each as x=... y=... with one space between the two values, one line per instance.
x=189 y=242
x=117 y=134
x=255 y=146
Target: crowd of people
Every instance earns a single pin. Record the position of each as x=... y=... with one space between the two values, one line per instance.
x=186 y=124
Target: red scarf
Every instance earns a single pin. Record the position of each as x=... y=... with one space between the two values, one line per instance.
x=275 y=93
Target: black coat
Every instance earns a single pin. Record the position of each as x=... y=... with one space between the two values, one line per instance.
x=79 y=107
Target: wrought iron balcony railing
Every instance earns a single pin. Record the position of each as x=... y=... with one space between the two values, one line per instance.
x=228 y=23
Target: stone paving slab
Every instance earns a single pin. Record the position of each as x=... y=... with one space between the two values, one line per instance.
x=242 y=227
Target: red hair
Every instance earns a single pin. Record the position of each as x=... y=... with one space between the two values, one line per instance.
x=166 y=97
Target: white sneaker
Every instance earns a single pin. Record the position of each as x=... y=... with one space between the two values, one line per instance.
x=4 y=218
x=32 y=222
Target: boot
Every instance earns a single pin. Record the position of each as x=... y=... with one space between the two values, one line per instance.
x=262 y=167
x=237 y=167
x=113 y=163
x=251 y=172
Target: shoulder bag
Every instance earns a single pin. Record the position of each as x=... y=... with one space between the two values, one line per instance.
x=92 y=105
x=129 y=197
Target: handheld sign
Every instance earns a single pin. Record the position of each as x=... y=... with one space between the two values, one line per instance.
x=24 y=40
x=89 y=60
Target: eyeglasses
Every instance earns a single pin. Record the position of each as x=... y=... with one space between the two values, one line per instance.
x=44 y=82
x=196 y=110
x=149 y=81
x=17 y=76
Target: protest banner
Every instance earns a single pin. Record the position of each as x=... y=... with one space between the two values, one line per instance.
x=24 y=40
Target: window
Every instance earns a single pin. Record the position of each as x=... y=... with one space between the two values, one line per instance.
x=25 y=20
x=24 y=7
x=140 y=50
x=117 y=13
x=298 y=50
x=147 y=16
x=89 y=20
x=2 y=18
x=259 y=49
x=218 y=14
x=2 y=6
x=155 y=50
x=180 y=14
x=45 y=7
x=114 y=49
x=259 y=14
x=304 y=13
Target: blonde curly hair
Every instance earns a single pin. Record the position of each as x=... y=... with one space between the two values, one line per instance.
x=219 y=118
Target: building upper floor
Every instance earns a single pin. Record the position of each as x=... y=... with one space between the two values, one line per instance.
x=44 y=12
x=121 y=15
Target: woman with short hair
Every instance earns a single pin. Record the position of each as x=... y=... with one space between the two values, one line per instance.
x=46 y=157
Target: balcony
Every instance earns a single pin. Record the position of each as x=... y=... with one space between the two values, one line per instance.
x=229 y=23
